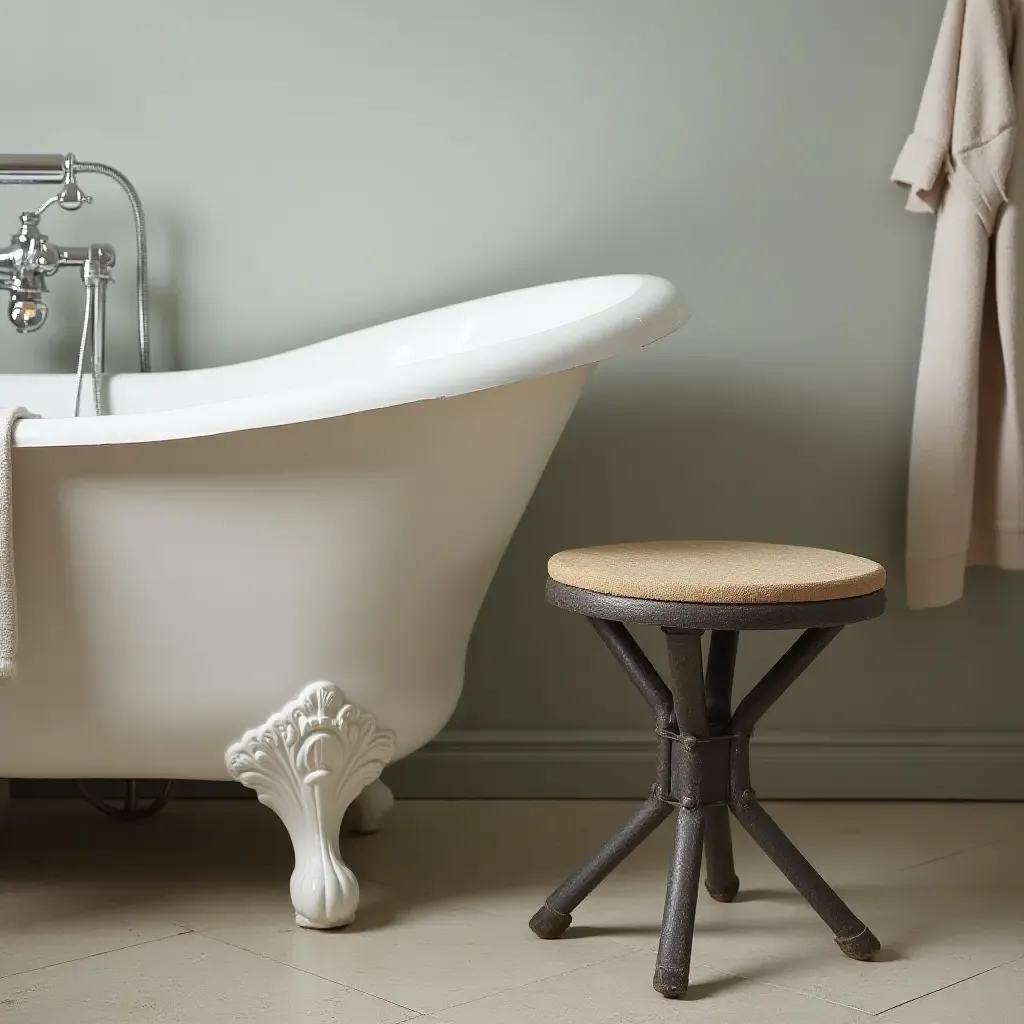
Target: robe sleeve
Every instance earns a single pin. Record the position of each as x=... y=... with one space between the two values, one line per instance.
x=964 y=134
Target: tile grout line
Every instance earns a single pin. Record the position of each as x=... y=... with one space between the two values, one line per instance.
x=880 y=1015
x=953 y=853
x=739 y=974
x=102 y=952
x=947 y=988
x=627 y=950
x=866 y=1014
x=433 y=1014
x=312 y=974
x=536 y=981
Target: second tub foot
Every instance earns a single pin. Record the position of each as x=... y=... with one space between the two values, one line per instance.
x=369 y=809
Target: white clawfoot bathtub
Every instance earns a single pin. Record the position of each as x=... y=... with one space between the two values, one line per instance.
x=188 y=565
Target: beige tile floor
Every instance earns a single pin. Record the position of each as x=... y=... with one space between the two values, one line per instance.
x=185 y=919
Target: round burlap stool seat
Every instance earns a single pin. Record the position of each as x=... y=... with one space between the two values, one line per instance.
x=717 y=572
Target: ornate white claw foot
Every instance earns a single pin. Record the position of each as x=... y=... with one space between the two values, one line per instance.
x=307 y=764
x=368 y=809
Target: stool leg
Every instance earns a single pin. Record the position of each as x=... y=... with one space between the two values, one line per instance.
x=774 y=683
x=551 y=921
x=853 y=937
x=720 y=873
x=719 y=676
x=686 y=681
x=720 y=881
x=672 y=969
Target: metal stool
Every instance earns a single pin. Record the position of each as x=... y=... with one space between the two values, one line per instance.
x=703 y=767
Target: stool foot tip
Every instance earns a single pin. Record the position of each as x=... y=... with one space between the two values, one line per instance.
x=549 y=924
x=726 y=893
x=862 y=946
x=671 y=982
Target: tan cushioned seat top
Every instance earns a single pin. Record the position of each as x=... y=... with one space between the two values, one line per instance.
x=717 y=572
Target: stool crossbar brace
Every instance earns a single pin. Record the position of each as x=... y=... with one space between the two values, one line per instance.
x=702 y=774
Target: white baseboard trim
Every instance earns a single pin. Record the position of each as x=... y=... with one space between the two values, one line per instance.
x=616 y=764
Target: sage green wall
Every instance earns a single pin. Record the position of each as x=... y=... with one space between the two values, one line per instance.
x=782 y=411
x=315 y=166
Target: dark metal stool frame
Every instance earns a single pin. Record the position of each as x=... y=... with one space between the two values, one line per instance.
x=703 y=767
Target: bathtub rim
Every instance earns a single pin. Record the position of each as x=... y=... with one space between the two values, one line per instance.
x=647 y=315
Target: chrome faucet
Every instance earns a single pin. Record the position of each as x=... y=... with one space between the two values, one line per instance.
x=31 y=258
x=29 y=261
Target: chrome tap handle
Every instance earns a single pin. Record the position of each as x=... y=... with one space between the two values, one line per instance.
x=41 y=257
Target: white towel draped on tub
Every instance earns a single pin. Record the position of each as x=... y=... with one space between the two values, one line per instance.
x=966 y=492
x=8 y=589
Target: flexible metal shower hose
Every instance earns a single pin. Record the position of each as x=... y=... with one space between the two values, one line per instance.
x=142 y=268
x=97 y=384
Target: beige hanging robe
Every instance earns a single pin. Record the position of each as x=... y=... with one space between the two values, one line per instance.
x=966 y=488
